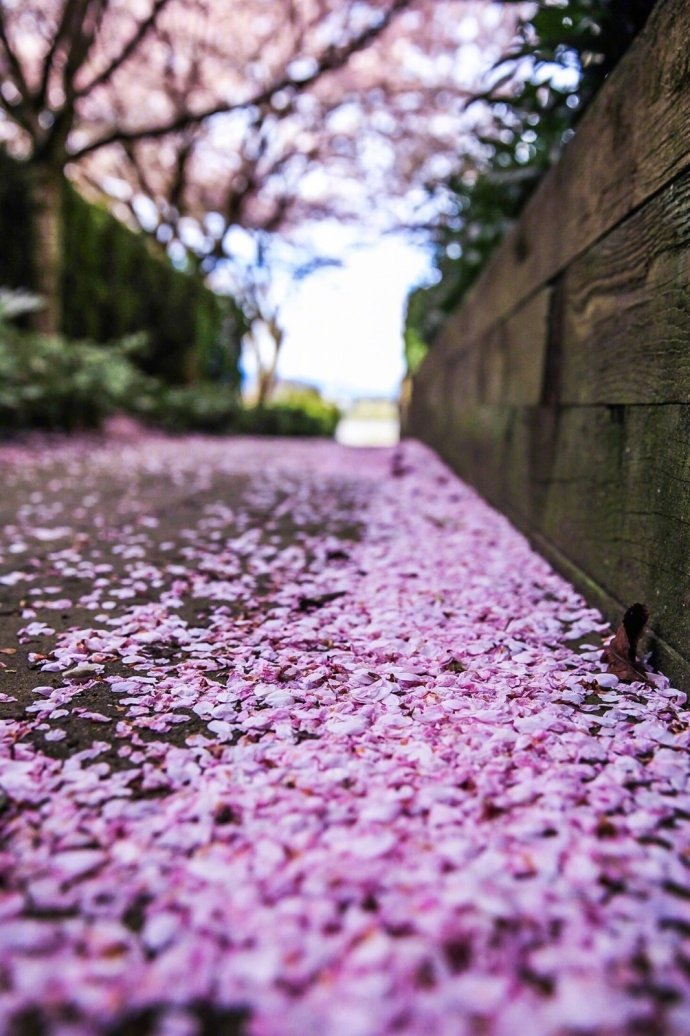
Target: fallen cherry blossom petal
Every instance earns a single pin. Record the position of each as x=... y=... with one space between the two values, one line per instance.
x=307 y=748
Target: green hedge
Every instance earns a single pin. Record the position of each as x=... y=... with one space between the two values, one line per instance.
x=15 y=221
x=113 y=286
x=59 y=385
x=50 y=382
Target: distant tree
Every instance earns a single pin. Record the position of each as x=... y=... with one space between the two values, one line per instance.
x=261 y=276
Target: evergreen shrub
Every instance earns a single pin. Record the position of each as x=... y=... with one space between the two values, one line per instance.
x=115 y=285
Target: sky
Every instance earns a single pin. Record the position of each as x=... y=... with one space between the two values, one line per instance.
x=344 y=324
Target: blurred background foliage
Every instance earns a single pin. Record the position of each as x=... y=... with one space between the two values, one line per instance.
x=571 y=47
x=51 y=382
x=114 y=284
x=139 y=336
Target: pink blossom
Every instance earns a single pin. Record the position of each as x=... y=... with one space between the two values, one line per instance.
x=413 y=808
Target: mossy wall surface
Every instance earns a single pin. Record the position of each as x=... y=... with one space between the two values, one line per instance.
x=561 y=388
x=114 y=285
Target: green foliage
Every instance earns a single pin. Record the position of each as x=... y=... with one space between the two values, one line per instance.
x=582 y=37
x=211 y=408
x=296 y=410
x=47 y=382
x=201 y=407
x=589 y=35
x=303 y=419
x=53 y=383
x=425 y=313
x=114 y=284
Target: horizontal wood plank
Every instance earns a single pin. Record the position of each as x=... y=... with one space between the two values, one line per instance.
x=626 y=319
x=608 y=170
x=525 y=338
x=607 y=487
x=561 y=388
x=506 y=364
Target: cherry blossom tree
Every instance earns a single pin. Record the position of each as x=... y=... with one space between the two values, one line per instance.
x=82 y=77
x=373 y=140
x=194 y=116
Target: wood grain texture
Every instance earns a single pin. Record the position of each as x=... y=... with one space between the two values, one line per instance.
x=626 y=319
x=607 y=487
x=561 y=389
x=608 y=170
x=524 y=336
x=664 y=657
x=506 y=364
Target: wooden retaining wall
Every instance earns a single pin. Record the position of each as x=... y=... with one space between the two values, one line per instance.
x=561 y=387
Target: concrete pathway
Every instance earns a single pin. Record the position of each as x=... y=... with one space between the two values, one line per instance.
x=300 y=739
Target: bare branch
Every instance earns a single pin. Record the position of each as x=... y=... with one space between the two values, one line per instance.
x=65 y=26
x=17 y=113
x=144 y=184
x=81 y=32
x=15 y=67
x=128 y=50
x=332 y=60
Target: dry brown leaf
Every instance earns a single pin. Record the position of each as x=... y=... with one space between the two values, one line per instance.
x=621 y=653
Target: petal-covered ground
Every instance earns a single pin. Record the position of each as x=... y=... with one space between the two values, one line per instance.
x=297 y=740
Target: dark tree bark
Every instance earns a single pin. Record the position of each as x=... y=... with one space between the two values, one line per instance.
x=46 y=185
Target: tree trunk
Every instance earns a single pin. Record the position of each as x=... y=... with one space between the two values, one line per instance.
x=46 y=189
x=264 y=387
x=265 y=368
x=267 y=375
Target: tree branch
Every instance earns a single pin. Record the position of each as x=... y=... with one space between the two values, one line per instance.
x=145 y=186
x=332 y=60
x=17 y=114
x=17 y=72
x=62 y=31
x=127 y=51
x=81 y=36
